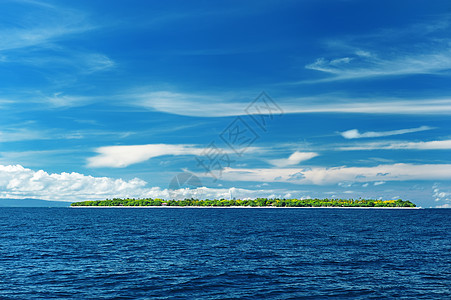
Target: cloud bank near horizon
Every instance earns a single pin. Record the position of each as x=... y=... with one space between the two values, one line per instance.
x=17 y=182
x=334 y=175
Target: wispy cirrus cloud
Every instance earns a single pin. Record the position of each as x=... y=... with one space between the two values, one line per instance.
x=359 y=67
x=355 y=134
x=24 y=134
x=223 y=105
x=373 y=55
x=81 y=61
x=95 y=62
x=429 y=145
x=62 y=100
x=34 y=34
x=379 y=106
x=188 y=104
x=38 y=25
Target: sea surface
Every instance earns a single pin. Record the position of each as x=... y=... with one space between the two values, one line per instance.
x=214 y=253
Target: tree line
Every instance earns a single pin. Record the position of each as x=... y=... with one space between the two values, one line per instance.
x=258 y=202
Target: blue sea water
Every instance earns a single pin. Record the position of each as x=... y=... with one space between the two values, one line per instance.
x=213 y=253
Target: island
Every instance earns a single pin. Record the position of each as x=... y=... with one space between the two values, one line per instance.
x=258 y=202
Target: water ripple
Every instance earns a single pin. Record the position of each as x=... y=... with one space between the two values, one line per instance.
x=224 y=253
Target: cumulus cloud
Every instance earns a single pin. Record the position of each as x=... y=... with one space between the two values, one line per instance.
x=18 y=182
x=440 y=194
x=229 y=193
x=324 y=176
x=447 y=205
x=293 y=159
x=355 y=134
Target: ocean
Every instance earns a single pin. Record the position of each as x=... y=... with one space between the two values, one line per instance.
x=224 y=253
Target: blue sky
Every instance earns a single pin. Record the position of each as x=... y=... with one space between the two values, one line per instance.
x=115 y=99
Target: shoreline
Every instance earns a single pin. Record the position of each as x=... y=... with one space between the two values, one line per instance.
x=163 y=207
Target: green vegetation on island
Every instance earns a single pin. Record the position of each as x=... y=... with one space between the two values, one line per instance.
x=259 y=202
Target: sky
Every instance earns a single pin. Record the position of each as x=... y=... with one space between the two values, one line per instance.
x=226 y=99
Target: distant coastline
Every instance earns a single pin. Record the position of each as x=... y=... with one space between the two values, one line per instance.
x=244 y=207
x=258 y=202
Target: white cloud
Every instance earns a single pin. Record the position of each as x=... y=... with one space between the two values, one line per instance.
x=345 y=184
x=82 y=62
x=18 y=182
x=218 y=105
x=95 y=62
x=324 y=176
x=21 y=135
x=34 y=28
x=431 y=145
x=324 y=104
x=187 y=104
x=355 y=134
x=339 y=61
x=123 y=156
x=293 y=159
x=439 y=194
x=363 y=53
x=24 y=134
x=40 y=25
x=229 y=193
x=379 y=182
x=368 y=66
x=59 y=100
x=373 y=55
